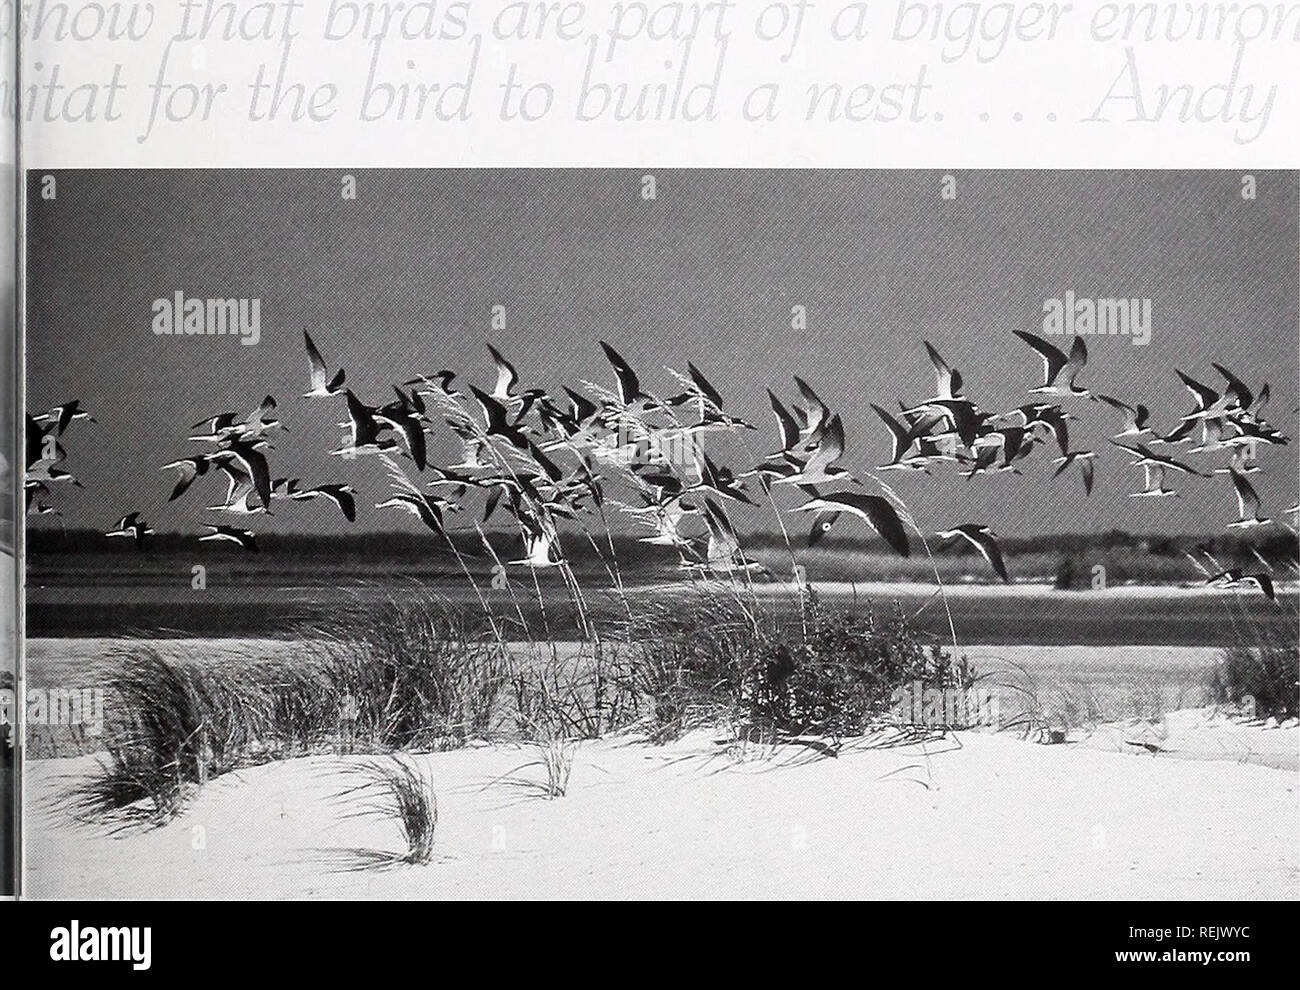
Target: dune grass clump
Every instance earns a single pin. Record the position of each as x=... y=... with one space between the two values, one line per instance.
x=170 y=727
x=584 y=696
x=397 y=789
x=412 y=674
x=1268 y=674
x=691 y=655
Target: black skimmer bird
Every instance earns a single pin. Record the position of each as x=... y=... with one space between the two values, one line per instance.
x=712 y=414
x=1209 y=403
x=1135 y=417
x=582 y=411
x=948 y=381
x=1235 y=388
x=1158 y=490
x=61 y=416
x=983 y=540
x=1152 y=462
x=243 y=537
x=985 y=460
x=344 y=496
x=814 y=414
x=1260 y=432
x=131 y=525
x=664 y=517
x=46 y=471
x=1052 y=418
x=406 y=415
x=507 y=378
x=321 y=384
x=540 y=547
x=967 y=421
x=1087 y=467
x=1015 y=443
x=41 y=443
x=719 y=480
x=723 y=554
x=579 y=428
x=239 y=492
x=1247 y=503
x=923 y=422
x=820 y=467
x=1261 y=399
x=439 y=381
x=1235 y=578
x=475 y=449
x=1182 y=433
x=875 y=510
x=822 y=524
x=1215 y=438
x=253 y=462
x=262 y=420
x=426 y=508
x=1057 y=366
x=365 y=429
x=219 y=427
x=225 y=426
x=449 y=477
x=903 y=439
x=497 y=421
x=629 y=385
x=786 y=425
x=1240 y=462
x=187 y=469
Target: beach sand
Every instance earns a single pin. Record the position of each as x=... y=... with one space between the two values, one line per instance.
x=976 y=816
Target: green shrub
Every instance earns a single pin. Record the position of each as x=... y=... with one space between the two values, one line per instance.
x=1065 y=568
x=831 y=672
x=839 y=679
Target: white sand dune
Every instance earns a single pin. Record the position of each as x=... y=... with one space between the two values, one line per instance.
x=984 y=816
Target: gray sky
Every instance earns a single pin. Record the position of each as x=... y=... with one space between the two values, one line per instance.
x=402 y=279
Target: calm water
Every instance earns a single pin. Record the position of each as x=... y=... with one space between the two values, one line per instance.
x=1061 y=618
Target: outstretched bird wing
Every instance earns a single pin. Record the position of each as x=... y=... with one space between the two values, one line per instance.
x=876 y=510
x=785 y=423
x=629 y=386
x=901 y=434
x=1053 y=358
x=507 y=377
x=1247 y=499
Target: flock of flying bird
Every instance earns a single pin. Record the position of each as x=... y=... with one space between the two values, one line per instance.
x=543 y=458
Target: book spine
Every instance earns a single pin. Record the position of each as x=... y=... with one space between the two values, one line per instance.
x=11 y=504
